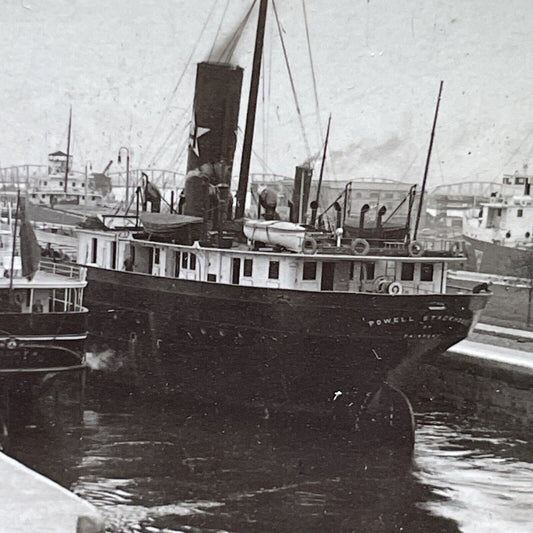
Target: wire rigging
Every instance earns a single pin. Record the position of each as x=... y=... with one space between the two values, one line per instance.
x=300 y=117
x=317 y=105
x=227 y=53
x=173 y=131
x=218 y=31
x=185 y=69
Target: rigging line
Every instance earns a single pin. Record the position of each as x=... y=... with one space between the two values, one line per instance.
x=177 y=162
x=162 y=148
x=264 y=163
x=292 y=82
x=236 y=39
x=228 y=50
x=187 y=64
x=218 y=31
x=317 y=105
x=178 y=153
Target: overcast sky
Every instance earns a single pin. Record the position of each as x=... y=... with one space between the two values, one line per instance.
x=124 y=66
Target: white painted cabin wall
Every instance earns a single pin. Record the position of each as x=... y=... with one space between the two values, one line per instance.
x=219 y=263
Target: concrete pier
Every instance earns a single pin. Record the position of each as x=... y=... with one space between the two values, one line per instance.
x=31 y=502
x=489 y=374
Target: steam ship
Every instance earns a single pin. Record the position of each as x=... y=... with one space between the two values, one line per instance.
x=499 y=236
x=266 y=312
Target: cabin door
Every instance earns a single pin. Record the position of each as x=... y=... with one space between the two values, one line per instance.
x=328 y=274
x=150 y=260
x=236 y=271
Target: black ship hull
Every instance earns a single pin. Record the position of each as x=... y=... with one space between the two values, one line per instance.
x=36 y=350
x=220 y=342
x=490 y=258
x=40 y=341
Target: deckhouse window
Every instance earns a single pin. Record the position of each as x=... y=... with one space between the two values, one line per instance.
x=367 y=271
x=519 y=212
x=177 y=260
x=94 y=249
x=408 y=271
x=248 y=268
x=273 y=270
x=426 y=272
x=114 y=254
x=309 y=271
x=157 y=253
x=188 y=261
x=211 y=277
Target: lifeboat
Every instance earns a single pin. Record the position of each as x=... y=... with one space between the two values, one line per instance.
x=289 y=235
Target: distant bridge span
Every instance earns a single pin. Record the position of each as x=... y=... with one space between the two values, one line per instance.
x=468 y=188
x=21 y=176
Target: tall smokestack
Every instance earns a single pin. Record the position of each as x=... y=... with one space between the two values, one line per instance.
x=300 y=195
x=215 y=119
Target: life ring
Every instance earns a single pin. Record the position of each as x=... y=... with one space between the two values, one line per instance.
x=360 y=246
x=456 y=249
x=309 y=246
x=380 y=284
x=11 y=344
x=19 y=298
x=415 y=249
x=395 y=288
x=524 y=201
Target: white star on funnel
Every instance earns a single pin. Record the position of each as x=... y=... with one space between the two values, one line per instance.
x=195 y=133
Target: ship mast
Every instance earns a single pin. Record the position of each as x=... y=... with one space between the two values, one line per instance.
x=250 y=115
x=427 y=162
x=68 y=149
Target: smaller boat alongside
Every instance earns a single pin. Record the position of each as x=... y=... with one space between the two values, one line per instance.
x=43 y=323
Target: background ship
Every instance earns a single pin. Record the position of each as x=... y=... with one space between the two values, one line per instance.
x=500 y=236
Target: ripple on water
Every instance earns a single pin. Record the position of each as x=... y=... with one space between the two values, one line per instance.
x=482 y=479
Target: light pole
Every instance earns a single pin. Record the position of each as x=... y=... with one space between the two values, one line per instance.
x=127 y=174
x=88 y=166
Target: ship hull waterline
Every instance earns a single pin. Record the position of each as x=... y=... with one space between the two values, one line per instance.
x=232 y=343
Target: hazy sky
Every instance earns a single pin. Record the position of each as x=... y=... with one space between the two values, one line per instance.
x=378 y=64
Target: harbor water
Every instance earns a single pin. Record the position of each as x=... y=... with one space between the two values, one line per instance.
x=157 y=465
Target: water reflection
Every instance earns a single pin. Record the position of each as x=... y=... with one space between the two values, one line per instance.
x=163 y=468
x=480 y=477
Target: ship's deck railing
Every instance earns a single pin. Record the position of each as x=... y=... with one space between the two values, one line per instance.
x=454 y=246
x=62 y=269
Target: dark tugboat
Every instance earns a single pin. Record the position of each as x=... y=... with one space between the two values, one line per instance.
x=43 y=324
x=268 y=312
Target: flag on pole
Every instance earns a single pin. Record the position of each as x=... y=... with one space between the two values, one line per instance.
x=30 y=250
